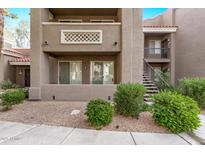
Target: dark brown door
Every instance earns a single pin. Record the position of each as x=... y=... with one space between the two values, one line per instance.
x=27 y=77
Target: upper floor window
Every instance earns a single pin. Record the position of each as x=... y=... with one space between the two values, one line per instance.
x=71 y=20
x=102 y=21
x=155 y=46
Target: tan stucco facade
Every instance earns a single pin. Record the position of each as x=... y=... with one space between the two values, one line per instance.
x=187 y=44
x=118 y=45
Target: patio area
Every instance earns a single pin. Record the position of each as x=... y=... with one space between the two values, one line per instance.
x=64 y=113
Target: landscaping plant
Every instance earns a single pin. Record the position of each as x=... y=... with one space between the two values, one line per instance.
x=99 y=113
x=6 y=84
x=129 y=99
x=177 y=112
x=194 y=88
x=12 y=97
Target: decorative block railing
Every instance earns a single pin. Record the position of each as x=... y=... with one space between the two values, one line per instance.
x=81 y=36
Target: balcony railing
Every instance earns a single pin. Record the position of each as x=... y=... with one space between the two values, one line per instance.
x=156 y=52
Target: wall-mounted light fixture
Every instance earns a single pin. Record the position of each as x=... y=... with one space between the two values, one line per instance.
x=115 y=43
x=20 y=72
x=45 y=42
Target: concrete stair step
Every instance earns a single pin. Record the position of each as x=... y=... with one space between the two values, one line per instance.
x=149 y=84
x=152 y=91
x=148 y=95
x=149 y=103
x=151 y=88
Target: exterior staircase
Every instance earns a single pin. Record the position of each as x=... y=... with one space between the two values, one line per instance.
x=151 y=89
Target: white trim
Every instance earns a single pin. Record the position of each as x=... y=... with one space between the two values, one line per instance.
x=80 y=24
x=103 y=20
x=68 y=62
x=20 y=63
x=70 y=20
x=86 y=31
x=159 y=29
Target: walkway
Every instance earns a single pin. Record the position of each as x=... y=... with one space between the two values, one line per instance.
x=29 y=134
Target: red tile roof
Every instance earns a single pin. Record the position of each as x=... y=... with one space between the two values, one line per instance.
x=12 y=52
x=22 y=59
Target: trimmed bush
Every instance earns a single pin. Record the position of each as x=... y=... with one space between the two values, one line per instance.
x=12 y=97
x=6 y=84
x=177 y=112
x=194 y=88
x=99 y=113
x=129 y=99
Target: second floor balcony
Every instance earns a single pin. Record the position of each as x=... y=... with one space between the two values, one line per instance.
x=157 y=54
x=81 y=37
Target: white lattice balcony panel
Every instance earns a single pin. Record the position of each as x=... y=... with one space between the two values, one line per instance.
x=81 y=36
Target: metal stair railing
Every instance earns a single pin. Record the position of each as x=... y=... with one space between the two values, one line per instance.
x=155 y=74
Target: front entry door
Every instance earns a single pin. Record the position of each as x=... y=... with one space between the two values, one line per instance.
x=27 y=77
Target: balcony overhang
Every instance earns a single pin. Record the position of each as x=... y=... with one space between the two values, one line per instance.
x=84 y=11
x=159 y=29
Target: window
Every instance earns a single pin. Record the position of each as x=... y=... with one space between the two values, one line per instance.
x=70 y=20
x=102 y=21
x=70 y=72
x=155 y=46
x=102 y=72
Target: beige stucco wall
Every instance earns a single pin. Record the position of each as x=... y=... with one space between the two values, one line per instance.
x=129 y=57
x=7 y=72
x=190 y=46
x=77 y=92
x=110 y=35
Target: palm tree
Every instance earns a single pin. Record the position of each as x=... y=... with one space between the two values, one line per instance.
x=4 y=12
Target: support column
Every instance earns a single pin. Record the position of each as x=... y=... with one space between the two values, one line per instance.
x=132 y=46
x=39 y=59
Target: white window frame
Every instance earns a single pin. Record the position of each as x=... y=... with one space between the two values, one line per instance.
x=103 y=20
x=86 y=31
x=103 y=68
x=68 y=61
x=154 y=47
x=70 y=20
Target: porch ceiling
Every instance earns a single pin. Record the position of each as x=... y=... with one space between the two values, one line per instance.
x=83 y=53
x=84 y=11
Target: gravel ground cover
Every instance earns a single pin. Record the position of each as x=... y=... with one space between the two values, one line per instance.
x=58 y=113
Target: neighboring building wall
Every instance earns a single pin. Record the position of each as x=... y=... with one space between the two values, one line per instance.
x=7 y=71
x=190 y=46
x=20 y=75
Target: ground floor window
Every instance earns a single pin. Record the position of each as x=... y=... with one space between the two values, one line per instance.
x=102 y=72
x=70 y=72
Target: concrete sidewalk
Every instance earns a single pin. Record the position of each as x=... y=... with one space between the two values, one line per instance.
x=28 y=134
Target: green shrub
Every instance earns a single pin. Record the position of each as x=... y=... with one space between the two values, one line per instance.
x=177 y=112
x=6 y=84
x=99 y=113
x=11 y=97
x=129 y=99
x=194 y=88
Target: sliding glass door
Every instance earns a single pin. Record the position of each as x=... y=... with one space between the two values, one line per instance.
x=70 y=72
x=102 y=72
